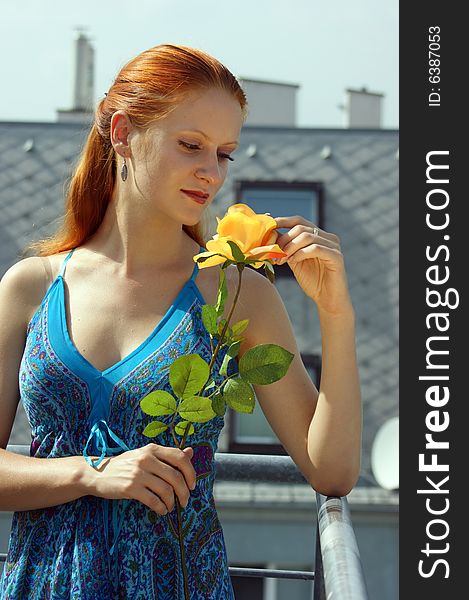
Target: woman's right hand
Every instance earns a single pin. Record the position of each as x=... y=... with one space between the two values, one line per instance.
x=150 y=474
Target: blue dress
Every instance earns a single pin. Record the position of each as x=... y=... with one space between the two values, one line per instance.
x=96 y=548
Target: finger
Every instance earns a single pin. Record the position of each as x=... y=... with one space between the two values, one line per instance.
x=329 y=255
x=172 y=476
x=186 y=467
x=303 y=240
x=160 y=489
x=152 y=501
x=291 y=222
x=179 y=459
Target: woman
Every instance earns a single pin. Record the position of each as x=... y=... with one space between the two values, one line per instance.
x=94 y=503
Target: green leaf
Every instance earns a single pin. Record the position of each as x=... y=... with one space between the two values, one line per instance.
x=224 y=365
x=154 y=428
x=222 y=293
x=236 y=251
x=210 y=384
x=181 y=428
x=227 y=263
x=239 y=395
x=239 y=327
x=158 y=403
x=197 y=409
x=269 y=270
x=188 y=374
x=209 y=318
x=234 y=349
x=218 y=404
x=228 y=333
x=264 y=364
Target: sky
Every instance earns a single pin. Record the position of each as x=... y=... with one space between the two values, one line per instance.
x=324 y=47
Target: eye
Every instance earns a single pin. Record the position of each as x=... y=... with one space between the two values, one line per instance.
x=195 y=147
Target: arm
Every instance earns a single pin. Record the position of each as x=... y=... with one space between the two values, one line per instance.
x=321 y=431
x=33 y=483
x=28 y=483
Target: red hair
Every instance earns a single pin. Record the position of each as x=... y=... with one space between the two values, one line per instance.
x=147 y=88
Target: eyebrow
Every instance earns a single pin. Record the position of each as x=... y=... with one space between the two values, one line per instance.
x=207 y=138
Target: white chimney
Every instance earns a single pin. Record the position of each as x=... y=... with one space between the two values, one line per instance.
x=363 y=109
x=84 y=74
x=270 y=103
x=83 y=88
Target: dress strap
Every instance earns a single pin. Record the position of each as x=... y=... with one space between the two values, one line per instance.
x=195 y=270
x=67 y=258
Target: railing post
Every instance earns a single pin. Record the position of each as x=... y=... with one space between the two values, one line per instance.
x=343 y=574
x=319 y=589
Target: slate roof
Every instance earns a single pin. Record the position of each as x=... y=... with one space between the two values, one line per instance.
x=360 y=180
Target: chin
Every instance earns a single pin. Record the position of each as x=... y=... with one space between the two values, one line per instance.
x=191 y=222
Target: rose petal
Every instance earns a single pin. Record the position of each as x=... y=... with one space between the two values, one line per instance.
x=210 y=262
x=272 y=251
x=245 y=231
x=221 y=246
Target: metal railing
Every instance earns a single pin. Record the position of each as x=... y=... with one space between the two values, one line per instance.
x=338 y=570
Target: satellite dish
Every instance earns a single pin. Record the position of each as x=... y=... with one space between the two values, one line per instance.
x=385 y=455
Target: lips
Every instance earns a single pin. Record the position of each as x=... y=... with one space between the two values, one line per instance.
x=199 y=197
x=197 y=193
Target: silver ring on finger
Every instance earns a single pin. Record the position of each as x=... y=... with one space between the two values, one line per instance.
x=315 y=230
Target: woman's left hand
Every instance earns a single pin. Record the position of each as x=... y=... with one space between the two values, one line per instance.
x=316 y=262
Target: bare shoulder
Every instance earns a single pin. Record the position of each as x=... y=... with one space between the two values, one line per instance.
x=255 y=288
x=261 y=303
x=25 y=283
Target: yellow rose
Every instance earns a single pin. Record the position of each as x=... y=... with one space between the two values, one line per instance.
x=254 y=234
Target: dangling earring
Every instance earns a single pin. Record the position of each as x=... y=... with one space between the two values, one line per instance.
x=124 y=171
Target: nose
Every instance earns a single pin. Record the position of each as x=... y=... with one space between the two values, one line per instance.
x=211 y=171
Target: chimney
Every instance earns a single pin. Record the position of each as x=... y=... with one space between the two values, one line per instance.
x=83 y=90
x=363 y=109
x=270 y=103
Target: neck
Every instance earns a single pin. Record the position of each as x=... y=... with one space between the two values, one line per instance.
x=137 y=242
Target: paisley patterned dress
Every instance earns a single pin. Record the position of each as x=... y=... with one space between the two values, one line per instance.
x=95 y=548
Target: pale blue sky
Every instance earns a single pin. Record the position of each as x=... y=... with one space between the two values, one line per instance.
x=325 y=47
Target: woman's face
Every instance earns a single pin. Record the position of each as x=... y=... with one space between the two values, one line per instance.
x=187 y=150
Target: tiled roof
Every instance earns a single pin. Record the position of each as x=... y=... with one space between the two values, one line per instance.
x=361 y=206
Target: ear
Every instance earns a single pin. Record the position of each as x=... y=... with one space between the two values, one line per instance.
x=121 y=128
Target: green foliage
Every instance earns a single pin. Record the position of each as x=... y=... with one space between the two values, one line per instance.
x=239 y=395
x=222 y=293
x=197 y=409
x=264 y=364
x=154 y=428
x=209 y=318
x=232 y=351
x=181 y=428
x=239 y=327
x=218 y=404
x=210 y=384
x=228 y=332
x=158 y=403
x=236 y=251
x=269 y=271
x=188 y=374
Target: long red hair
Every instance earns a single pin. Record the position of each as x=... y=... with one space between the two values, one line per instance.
x=147 y=88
